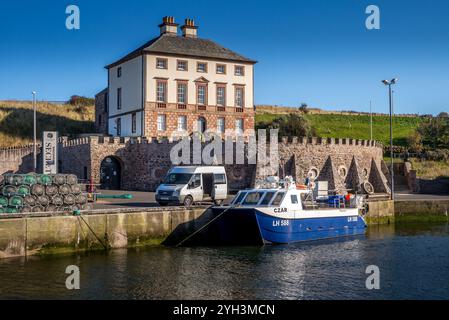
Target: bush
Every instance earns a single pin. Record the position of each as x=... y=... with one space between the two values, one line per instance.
x=291 y=125
x=80 y=101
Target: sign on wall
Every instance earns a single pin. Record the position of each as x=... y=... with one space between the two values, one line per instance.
x=50 y=152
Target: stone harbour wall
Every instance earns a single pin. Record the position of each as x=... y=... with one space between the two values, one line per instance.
x=31 y=234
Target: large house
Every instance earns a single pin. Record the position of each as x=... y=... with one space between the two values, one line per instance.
x=177 y=83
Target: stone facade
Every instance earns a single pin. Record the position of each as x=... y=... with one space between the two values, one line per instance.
x=345 y=163
x=101 y=112
x=211 y=114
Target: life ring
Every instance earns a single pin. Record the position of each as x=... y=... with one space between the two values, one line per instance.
x=368 y=187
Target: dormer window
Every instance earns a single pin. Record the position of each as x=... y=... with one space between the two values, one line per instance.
x=161 y=63
x=201 y=67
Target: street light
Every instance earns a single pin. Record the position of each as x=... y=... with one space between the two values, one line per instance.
x=34 y=133
x=389 y=83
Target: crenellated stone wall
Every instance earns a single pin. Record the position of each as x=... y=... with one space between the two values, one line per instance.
x=345 y=163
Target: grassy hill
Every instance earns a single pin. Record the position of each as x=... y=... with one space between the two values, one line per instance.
x=16 y=121
x=346 y=125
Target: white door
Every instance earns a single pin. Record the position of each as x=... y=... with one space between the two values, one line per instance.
x=196 y=188
x=220 y=187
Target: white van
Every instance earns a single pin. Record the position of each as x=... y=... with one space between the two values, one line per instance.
x=187 y=185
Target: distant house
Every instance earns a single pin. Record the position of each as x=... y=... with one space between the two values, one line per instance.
x=176 y=83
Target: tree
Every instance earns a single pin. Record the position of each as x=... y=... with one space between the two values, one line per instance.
x=81 y=101
x=292 y=125
x=304 y=108
x=435 y=132
x=443 y=115
x=414 y=142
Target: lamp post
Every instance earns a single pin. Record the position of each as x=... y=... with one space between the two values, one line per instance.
x=389 y=83
x=34 y=133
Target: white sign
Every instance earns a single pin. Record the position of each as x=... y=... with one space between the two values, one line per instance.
x=50 y=152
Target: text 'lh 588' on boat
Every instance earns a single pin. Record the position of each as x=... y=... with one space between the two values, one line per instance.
x=280 y=212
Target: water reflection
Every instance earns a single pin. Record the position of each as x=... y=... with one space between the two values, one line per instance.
x=414 y=263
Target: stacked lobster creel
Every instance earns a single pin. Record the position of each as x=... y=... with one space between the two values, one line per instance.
x=41 y=193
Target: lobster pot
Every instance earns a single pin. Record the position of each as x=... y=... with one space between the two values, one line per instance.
x=75 y=188
x=66 y=208
x=7 y=179
x=2 y=179
x=11 y=210
x=75 y=207
x=23 y=190
x=81 y=199
x=59 y=179
x=51 y=190
x=38 y=209
x=44 y=179
x=30 y=179
x=2 y=210
x=3 y=201
x=26 y=209
x=29 y=200
x=37 y=190
x=9 y=190
x=72 y=179
x=69 y=199
x=64 y=189
x=57 y=200
x=17 y=179
x=15 y=201
x=43 y=200
x=86 y=206
x=52 y=208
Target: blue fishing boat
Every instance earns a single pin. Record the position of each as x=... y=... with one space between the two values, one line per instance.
x=284 y=214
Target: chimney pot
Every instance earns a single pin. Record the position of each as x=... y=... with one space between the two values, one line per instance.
x=189 y=30
x=168 y=26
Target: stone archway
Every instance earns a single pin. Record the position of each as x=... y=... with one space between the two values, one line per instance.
x=111 y=173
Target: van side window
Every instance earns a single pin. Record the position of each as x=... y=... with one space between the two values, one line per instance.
x=196 y=180
x=294 y=198
x=219 y=179
x=278 y=198
x=266 y=200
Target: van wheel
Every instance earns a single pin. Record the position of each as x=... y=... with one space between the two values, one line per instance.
x=188 y=201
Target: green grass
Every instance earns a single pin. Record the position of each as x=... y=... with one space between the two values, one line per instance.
x=357 y=126
x=16 y=121
x=428 y=169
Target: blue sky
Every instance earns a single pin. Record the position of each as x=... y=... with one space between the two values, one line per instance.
x=318 y=52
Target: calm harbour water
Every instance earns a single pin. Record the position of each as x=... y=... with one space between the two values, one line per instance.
x=413 y=261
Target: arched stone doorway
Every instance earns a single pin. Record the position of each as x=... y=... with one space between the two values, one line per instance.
x=110 y=173
x=201 y=124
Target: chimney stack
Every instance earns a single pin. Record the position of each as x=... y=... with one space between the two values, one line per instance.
x=168 y=26
x=189 y=30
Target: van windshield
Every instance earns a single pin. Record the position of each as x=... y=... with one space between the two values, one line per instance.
x=177 y=178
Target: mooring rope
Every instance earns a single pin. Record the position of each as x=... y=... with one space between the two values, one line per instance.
x=95 y=235
x=191 y=235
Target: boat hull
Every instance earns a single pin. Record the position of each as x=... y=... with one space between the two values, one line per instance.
x=248 y=226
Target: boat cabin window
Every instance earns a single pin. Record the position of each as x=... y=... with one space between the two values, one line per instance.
x=252 y=198
x=278 y=199
x=294 y=199
x=239 y=198
x=268 y=196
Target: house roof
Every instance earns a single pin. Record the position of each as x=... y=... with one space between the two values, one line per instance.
x=183 y=46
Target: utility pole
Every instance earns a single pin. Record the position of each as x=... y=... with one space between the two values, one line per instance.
x=371 y=120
